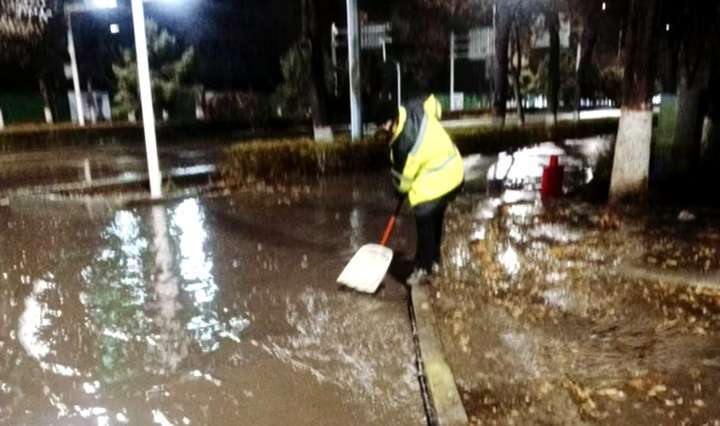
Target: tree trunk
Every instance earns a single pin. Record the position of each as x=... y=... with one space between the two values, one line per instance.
x=584 y=61
x=503 y=21
x=586 y=48
x=710 y=141
x=314 y=29
x=516 y=77
x=662 y=157
x=92 y=103
x=686 y=138
x=47 y=107
x=632 y=150
x=695 y=56
x=553 y=87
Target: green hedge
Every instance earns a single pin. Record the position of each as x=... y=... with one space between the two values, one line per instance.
x=289 y=158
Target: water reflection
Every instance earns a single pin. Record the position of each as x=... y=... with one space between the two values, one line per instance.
x=357 y=239
x=195 y=269
x=114 y=295
x=522 y=170
x=149 y=297
x=168 y=345
x=32 y=321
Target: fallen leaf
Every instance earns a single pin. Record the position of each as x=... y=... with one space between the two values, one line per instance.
x=612 y=393
x=657 y=389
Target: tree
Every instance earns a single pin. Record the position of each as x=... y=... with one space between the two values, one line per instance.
x=503 y=25
x=632 y=150
x=552 y=20
x=31 y=37
x=697 y=28
x=315 y=36
x=171 y=70
x=46 y=60
x=710 y=142
x=291 y=96
x=587 y=15
x=22 y=25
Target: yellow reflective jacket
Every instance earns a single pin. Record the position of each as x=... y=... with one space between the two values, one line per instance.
x=425 y=163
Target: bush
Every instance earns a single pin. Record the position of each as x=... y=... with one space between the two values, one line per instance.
x=290 y=158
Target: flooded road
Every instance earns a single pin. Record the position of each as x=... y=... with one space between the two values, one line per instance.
x=218 y=311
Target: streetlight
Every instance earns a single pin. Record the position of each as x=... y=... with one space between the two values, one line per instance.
x=146 y=103
x=73 y=66
x=353 y=36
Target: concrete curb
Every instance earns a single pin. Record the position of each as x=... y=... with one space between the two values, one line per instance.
x=447 y=407
x=698 y=281
x=74 y=191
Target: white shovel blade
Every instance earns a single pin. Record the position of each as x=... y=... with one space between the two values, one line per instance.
x=367 y=268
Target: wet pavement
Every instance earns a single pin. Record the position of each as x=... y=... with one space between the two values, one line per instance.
x=224 y=310
x=122 y=160
x=541 y=326
x=203 y=311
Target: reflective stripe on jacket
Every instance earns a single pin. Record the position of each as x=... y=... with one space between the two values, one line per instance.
x=425 y=163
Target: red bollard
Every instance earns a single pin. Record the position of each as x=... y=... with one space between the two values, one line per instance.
x=552 y=179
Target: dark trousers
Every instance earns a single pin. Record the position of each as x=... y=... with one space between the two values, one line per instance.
x=429 y=219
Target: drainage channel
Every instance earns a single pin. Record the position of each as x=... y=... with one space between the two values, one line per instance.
x=441 y=398
x=430 y=415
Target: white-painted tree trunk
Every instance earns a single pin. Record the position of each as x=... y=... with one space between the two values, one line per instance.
x=323 y=133
x=710 y=144
x=2 y=120
x=48 y=115
x=707 y=131
x=632 y=156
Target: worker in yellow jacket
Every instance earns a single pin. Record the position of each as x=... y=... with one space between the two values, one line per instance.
x=426 y=166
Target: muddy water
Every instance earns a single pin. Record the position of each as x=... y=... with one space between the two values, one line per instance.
x=540 y=328
x=218 y=311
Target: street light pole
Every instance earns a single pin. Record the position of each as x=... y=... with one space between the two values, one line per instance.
x=75 y=75
x=399 y=84
x=452 y=71
x=148 y=114
x=354 y=70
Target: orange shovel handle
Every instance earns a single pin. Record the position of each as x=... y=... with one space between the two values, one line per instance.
x=391 y=222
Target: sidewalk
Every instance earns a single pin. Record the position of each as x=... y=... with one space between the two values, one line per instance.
x=543 y=321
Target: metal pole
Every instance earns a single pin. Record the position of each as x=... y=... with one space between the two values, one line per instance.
x=148 y=114
x=333 y=54
x=452 y=70
x=399 y=84
x=75 y=75
x=354 y=70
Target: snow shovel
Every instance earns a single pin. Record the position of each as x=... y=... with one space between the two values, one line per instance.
x=368 y=267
